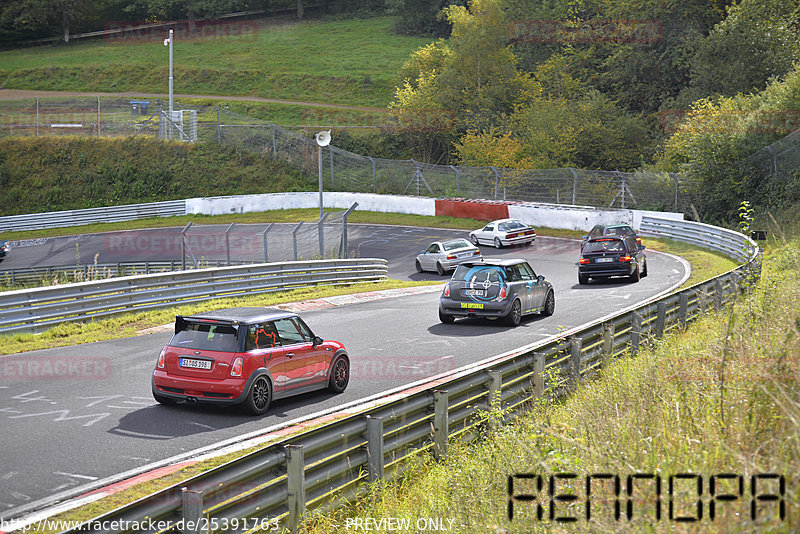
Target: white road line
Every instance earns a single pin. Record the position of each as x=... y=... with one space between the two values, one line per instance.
x=82 y=477
x=201 y=425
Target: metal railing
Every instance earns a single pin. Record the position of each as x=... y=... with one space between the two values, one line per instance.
x=60 y=219
x=722 y=240
x=282 y=480
x=35 y=310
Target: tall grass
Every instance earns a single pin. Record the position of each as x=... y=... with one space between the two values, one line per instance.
x=352 y=62
x=721 y=396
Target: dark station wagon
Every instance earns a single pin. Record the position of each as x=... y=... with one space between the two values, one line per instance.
x=604 y=257
x=246 y=357
x=496 y=288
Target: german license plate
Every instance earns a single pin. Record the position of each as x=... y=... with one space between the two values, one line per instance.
x=474 y=292
x=472 y=305
x=194 y=364
x=604 y=260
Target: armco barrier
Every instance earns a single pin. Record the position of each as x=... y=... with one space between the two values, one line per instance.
x=35 y=310
x=281 y=481
x=60 y=219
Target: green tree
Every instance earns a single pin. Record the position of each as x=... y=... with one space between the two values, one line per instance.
x=35 y=17
x=757 y=41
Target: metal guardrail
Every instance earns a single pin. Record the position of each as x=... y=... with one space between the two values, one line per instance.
x=721 y=240
x=100 y=271
x=60 y=219
x=281 y=481
x=35 y=310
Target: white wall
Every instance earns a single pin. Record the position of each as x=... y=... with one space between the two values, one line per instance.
x=285 y=201
x=580 y=217
x=537 y=215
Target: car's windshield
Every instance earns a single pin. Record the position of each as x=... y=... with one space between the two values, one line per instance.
x=479 y=273
x=456 y=243
x=205 y=336
x=511 y=225
x=605 y=245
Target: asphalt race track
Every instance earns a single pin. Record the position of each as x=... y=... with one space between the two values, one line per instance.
x=60 y=435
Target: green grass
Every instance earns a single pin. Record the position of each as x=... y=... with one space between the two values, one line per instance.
x=721 y=396
x=351 y=62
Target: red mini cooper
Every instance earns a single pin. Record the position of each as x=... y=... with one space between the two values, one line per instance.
x=246 y=356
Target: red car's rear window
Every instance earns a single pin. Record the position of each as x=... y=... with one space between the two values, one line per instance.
x=204 y=336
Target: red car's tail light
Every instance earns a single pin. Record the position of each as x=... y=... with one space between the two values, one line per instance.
x=503 y=292
x=625 y=258
x=236 y=368
x=160 y=363
x=447 y=290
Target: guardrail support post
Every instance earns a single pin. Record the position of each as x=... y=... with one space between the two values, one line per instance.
x=576 y=345
x=719 y=295
x=702 y=301
x=345 y=215
x=608 y=342
x=683 y=309
x=294 y=238
x=538 y=374
x=441 y=424
x=661 y=319
x=636 y=332
x=495 y=392
x=374 y=448
x=192 y=511
x=296 y=480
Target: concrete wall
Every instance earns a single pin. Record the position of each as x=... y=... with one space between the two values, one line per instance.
x=333 y=200
x=537 y=215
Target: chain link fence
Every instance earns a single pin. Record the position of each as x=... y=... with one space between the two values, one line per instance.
x=342 y=170
x=781 y=158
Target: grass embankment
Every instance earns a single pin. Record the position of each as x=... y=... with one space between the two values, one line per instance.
x=41 y=174
x=353 y=62
x=719 y=397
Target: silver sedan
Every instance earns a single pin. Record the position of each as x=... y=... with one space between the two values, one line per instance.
x=503 y=233
x=443 y=256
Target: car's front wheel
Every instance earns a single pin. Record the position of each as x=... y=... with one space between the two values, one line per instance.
x=514 y=314
x=474 y=239
x=166 y=401
x=549 y=304
x=259 y=396
x=340 y=375
x=446 y=318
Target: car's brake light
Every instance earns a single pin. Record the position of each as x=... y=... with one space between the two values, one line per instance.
x=624 y=258
x=160 y=363
x=584 y=261
x=447 y=290
x=477 y=252
x=509 y=236
x=503 y=292
x=236 y=368
x=638 y=239
x=451 y=257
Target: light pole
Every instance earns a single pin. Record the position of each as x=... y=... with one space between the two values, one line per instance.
x=168 y=42
x=323 y=139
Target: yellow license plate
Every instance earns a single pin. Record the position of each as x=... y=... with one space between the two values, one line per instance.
x=472 y=305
